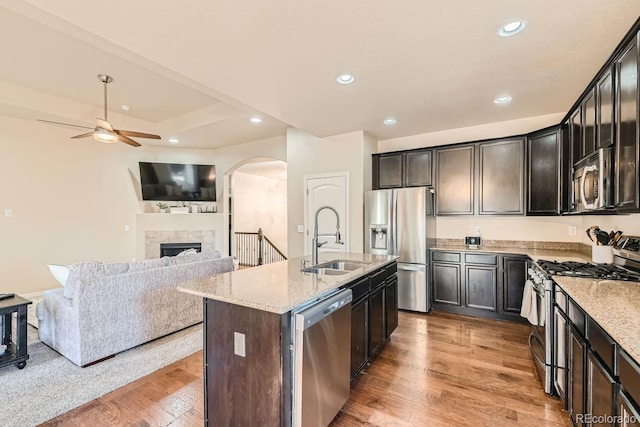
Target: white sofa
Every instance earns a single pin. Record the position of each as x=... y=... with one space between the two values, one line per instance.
x=106 y=308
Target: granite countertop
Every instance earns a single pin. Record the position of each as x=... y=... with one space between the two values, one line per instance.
x=280 y=287
x=612 y=304
x=533 y=253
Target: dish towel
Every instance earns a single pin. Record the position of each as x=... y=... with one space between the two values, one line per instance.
x=529 y=308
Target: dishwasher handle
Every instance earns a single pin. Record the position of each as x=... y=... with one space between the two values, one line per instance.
x=323 y=308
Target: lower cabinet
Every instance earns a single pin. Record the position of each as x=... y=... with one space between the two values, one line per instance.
x=374 y=315
x=377 y=320
x=601 y=390
x=628 y=415
x=576 y=381
x=478 y=283
x=359 y=334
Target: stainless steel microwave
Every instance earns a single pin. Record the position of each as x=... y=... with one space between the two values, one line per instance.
x=593 y=182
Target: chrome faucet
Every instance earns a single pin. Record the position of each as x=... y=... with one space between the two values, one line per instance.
x=314 y=243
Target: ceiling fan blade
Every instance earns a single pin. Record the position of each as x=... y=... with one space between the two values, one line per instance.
x=127 y=140
x=63 y=124
x=104 y=124
x=137 y=134
x=82 y=135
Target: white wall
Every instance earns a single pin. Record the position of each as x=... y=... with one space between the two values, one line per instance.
x=261 y=202
x=308 y=155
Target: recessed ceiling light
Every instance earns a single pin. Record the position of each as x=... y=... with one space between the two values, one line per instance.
x=125 y=107
x=255 y=120
x=345 y=79
x=512 y=28
x=502 y=99
x=173 y=140
x=389 y=121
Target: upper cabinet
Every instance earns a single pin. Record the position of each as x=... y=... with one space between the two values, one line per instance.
x=626 y=127
x=575 y=135
x=403 y=169
x=501 y=177
x=548 y=171
x=454 y=180
x=604 y=110
x=589 y=124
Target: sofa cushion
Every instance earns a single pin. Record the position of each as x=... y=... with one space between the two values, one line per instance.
x=188 y=258
x=85 y=271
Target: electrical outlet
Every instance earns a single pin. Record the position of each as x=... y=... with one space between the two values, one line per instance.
x=239 y=348
x=127 y=228
x=477 y=230
x=572 y=231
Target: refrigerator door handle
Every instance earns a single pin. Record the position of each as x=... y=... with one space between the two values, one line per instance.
x=411 y=267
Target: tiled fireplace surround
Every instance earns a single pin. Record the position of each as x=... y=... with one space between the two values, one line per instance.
x=153 y=238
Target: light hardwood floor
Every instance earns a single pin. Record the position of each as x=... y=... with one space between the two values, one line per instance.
x=438 y=370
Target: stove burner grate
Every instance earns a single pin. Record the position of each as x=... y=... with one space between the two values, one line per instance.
x=588 y=270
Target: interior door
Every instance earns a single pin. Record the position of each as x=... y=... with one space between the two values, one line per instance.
x=327 y=190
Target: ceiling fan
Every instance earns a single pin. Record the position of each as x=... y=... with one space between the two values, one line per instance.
x=103 y=131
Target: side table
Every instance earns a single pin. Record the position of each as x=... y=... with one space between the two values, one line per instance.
x=16 y=352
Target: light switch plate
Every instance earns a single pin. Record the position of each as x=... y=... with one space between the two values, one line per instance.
x=301 y=229
x=239 y=348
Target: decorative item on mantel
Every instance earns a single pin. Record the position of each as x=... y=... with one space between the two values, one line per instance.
x=163 y=207
x=183 y=208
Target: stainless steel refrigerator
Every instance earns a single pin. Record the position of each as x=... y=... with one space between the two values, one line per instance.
x=401 y=222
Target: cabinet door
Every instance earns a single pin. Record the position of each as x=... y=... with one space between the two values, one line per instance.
x=376 y=320
x=359 y=335
x=544 y=173
x=480 y=287
x=628 y=414
x=514 y=272
x=601 y=390
x=589 y=124
x=560 y=353
x=626 y=124
x=446 y=283
x=576 y=383
x=418 y=168
x=390 y=170
x=454 y=180
x=575 y=135
x=391 y=305
x=604 y=110
x=501 y=186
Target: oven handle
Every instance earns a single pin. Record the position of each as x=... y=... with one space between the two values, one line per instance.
x=583 y=180
x=535 y=356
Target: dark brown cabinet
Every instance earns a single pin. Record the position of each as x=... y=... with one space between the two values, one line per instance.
x=446 y=283
x=626 y=127
x=478 y=283
x=629 y=390
x=604 y=110
x=359 y=334
x=501 y=177
x=548 y=172
x=387 y=169
x=627 y=412
x=403 y=169
x=576 y=380
x=376 y=320
x=575 y=135
x=480 y=287
x=455 y=180
x=391 y=305
x=589 y=124
x=418 y=167
x=601 y=390
x=514 y=275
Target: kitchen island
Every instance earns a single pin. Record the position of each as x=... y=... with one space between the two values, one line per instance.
x=248 y=334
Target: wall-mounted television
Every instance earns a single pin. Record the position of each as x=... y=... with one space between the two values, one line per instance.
x=178 y=182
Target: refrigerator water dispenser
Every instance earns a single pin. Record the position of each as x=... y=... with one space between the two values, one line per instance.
x=378 y=237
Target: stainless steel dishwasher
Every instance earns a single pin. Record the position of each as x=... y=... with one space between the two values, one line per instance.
x=322 y=353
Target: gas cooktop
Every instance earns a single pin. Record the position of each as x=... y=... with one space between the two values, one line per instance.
x=588 y=270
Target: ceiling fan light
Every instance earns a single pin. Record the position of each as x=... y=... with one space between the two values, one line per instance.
x=103 y=135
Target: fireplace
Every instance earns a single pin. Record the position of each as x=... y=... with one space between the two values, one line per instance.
x=173 y=249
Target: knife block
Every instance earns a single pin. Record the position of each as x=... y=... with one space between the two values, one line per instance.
x=602 y=254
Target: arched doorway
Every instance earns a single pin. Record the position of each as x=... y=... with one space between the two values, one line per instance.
x=256 y=199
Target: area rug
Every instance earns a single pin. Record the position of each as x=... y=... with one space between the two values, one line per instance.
x=51 y=385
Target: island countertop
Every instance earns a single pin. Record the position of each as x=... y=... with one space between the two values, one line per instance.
x=281 y=286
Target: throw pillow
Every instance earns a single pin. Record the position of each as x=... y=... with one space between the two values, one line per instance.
x=60 y=273
x=190 y=251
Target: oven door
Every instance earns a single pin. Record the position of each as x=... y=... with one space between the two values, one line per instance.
x=540 y=343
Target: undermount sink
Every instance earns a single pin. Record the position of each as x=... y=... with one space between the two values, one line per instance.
x=340 y=265
x=324 y=270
